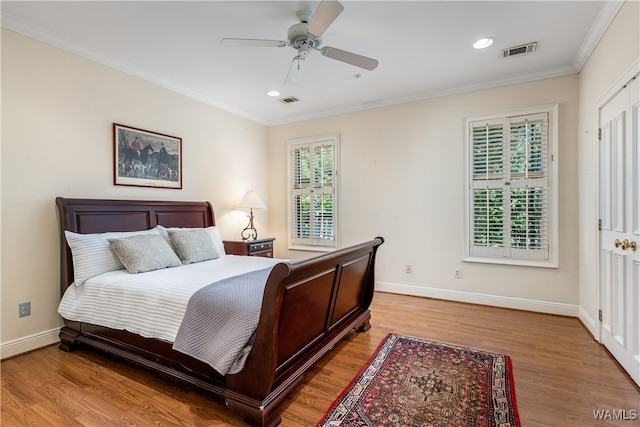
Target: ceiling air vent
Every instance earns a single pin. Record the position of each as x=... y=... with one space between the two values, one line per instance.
x=289 y=100
x=519 y=50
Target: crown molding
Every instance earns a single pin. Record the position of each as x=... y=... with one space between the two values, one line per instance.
x=604 y=19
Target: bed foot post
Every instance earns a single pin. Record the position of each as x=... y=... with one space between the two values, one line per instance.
x=68 y=339
x=261 y=413
x=365 y=325
x=253 y=413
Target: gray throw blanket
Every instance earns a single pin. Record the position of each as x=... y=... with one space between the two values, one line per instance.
x=221 y=319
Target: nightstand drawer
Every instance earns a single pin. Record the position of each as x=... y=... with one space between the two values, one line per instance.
x=266 y=254
x=261 y=247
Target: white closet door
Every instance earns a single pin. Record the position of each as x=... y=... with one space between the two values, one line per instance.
x=620 y=235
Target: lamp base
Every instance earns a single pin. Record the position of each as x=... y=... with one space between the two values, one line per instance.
x=249 y=232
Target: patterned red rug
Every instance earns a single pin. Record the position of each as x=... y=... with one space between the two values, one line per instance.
x=416 y=382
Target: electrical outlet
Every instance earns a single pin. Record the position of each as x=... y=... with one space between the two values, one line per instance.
x=24 y=309
x=458 y=273
x=407 y=268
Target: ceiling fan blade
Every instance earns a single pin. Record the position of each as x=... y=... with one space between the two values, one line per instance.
x=349 y=57
x=323 y=17
x=253 y=42
x=295 y=71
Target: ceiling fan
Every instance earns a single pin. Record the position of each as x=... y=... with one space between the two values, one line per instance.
x=306 y=36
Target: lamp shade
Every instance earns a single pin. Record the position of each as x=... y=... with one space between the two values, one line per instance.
x=251 y=200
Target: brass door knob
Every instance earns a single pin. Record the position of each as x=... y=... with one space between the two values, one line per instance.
x=626 y=244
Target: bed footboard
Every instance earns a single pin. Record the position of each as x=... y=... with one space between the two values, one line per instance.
x=309 y=305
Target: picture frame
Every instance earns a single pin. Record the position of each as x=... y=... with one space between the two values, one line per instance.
x=144 y=158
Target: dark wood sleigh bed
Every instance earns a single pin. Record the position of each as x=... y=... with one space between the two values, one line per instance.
x=308 y=306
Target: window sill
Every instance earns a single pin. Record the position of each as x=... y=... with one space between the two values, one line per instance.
x=509 y=261
x=312 y=248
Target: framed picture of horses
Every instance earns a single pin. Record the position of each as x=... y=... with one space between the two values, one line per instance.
x=146 y=159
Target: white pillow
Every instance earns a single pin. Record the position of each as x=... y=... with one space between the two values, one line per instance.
x=213 y=231
x=145 y=252
x=92 y=254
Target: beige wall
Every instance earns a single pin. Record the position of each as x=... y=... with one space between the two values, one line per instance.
x=402 y=178
x=57 y=115
x=615 y=57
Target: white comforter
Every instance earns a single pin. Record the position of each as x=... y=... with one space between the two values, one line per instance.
x=150 y=304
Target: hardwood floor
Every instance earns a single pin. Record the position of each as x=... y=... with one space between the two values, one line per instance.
x=561 y=374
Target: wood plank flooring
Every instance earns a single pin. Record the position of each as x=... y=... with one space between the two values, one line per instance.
x=561 y=374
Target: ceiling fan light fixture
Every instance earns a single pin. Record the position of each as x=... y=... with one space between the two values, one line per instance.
x=483 y=43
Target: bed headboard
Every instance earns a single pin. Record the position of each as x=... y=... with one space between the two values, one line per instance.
x=100 y=215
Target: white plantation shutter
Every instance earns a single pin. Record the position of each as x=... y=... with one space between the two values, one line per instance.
x=511 y=212
x=313 y=192
x=528 y=155
x=488 y=221
x=488 y=153
x=301 y=196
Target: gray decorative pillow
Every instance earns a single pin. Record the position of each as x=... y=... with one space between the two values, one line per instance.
x=193 y=245
x=213 y=231
x=144 y=253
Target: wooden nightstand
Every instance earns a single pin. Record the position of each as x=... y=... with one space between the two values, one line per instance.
x=259 y=247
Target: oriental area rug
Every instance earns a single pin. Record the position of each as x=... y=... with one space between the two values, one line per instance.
x=416 y=382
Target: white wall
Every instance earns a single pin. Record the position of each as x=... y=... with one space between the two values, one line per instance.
x=402 y=178
x=57 y=115
x=616 y=55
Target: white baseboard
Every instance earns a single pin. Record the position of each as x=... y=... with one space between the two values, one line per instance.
x=562 y=309
x=29 y=343
x=590 y=323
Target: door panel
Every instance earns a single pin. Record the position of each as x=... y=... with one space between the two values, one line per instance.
x=620 y=219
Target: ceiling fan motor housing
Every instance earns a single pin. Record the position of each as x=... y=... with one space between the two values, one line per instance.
x=298 y=37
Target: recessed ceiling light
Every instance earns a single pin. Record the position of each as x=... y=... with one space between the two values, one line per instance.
x=273 y=93
x=482 y=43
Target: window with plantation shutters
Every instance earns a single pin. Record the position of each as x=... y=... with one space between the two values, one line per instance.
x=313 y=189
x=511 y=193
